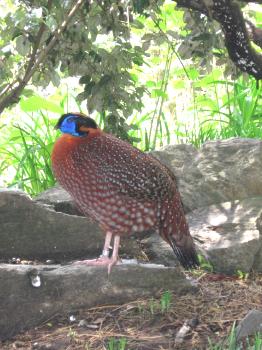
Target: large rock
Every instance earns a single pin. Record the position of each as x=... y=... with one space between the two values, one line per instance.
x=220 y=171
x=251 y=324
x=258 y=259
x=30 y=295
x=32 y=230
x=226 y=234
x=59 y=200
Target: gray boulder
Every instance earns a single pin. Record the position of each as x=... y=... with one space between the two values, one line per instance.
x=59 y=200
x=32 y=230
x=251 y=324
x=30 y=295
x=226 y=234
x=220 y=171
x=258 y=259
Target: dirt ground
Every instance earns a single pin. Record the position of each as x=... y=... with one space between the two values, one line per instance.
x=168 y=321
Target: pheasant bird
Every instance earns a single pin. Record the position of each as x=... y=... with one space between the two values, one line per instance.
x=123 y=189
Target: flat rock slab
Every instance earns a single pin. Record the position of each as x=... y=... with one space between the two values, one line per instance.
x=258 y=260
x=219 y=171
x=227 y=233
x=59 y=200
x=33 y=230
x=251 y=324
x=31 y=294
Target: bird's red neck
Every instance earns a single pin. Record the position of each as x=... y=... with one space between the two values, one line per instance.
x=67 y=142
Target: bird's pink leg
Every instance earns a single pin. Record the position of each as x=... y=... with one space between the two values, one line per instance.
x=107 y=245
x=104 y=259
x=114 y=257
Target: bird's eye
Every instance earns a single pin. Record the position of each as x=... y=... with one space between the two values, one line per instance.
x=77 y=128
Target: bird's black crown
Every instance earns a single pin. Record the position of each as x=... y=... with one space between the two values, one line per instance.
x=81 y=120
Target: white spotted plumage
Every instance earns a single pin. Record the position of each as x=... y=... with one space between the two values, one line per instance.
x=123 y=189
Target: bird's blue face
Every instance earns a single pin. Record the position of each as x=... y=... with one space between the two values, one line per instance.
x=76 y=124
x=70 y=125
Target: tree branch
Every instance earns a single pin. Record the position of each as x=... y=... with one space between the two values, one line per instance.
x=237 y=40
x=38 y=39
x=255 y=34
x=34 y=62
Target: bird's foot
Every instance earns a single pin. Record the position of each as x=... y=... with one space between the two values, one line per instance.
x=101 y=261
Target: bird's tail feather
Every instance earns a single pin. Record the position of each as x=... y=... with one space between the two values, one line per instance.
x=186 y=254
x=174 y=229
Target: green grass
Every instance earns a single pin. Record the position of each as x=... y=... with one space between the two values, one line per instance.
x=220 y=109
x=231 y=342
x=25 y=150
x=117 y=344
x=237 y=112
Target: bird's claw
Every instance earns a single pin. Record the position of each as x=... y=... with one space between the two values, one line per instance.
x=101 y=261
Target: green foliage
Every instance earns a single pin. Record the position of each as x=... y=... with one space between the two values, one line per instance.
x=117 y=344
x=257 y=342
x=96 y=45
x=72 y=335
x=106 y=44
x=205 y=264
x=155 y=306
x=238 y=111
x=36 y=103
x=220 y=110
x=242 y=275
x=26 y=149
x=231 y=342
x=165 y=301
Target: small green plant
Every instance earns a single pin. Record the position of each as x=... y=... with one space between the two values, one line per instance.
x=165 y=301
x=116 y=344
x=152 y=306
x=205 y=264
x=258 y=341
x=242 y=275
x=112 y=344
x=72 y=335
x=140 y=307
x=231 y=342
x=122 y=344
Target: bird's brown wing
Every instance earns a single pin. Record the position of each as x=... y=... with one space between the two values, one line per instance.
x=137 y=175
x=132 y=174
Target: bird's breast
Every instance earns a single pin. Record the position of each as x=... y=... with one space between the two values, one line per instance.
x=112 y=182
x=71 y=164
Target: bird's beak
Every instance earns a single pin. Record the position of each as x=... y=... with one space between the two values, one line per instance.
x=56 y=126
